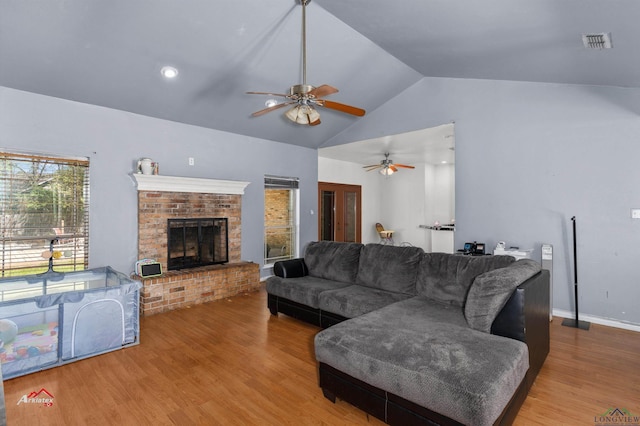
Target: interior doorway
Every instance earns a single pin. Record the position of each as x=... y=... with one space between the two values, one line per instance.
x=340 y=217
x=407 y=199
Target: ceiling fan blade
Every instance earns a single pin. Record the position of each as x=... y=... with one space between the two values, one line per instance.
x=272 y=108
x=267 y=93
x=404 y=166
x=372 y=167
x=341 y=107
x=324 y=90
x=315 y=123
x=392 y=167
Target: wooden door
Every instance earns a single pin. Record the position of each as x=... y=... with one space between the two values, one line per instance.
x=340 y=212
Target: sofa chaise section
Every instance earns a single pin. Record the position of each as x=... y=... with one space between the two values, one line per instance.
x=424 y=352
x=420 y=362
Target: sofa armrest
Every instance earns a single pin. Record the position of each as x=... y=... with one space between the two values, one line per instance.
x=525 y=317
x=528 y=302
x=292 y=268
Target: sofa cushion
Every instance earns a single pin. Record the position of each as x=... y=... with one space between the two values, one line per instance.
x=424 y=352
x=390 y=268
x=303 y=290
x=332 y=260
x=491 y=291
x=447 y=278
x=356 y=300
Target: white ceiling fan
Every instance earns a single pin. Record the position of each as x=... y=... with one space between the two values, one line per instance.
x=306 y=97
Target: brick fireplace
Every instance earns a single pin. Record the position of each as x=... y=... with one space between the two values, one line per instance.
x=166 y=197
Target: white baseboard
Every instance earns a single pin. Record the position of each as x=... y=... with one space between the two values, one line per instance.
x=597 y=320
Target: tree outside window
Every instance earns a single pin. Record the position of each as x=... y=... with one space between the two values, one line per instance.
x=43 y=199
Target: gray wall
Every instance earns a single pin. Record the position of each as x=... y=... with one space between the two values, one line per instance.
x=529 y=157
x=115 y=140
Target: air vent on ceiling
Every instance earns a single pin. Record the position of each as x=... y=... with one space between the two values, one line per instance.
x=597 y=41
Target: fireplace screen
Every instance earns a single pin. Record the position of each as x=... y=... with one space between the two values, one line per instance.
x=197 y=242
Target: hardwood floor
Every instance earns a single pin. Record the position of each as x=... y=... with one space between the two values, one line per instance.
x=230 y=362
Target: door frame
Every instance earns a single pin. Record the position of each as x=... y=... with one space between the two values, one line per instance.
x=340 y=189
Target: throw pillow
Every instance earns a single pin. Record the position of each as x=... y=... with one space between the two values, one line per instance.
x=491 y=291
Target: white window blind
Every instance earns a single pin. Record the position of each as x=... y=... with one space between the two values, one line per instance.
x=43 y=199
x=279 y=182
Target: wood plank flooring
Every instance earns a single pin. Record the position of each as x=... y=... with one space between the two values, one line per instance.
x=230 y=362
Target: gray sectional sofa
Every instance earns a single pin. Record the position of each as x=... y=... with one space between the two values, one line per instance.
x=419 y=338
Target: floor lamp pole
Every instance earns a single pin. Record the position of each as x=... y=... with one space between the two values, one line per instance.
x=576 y=323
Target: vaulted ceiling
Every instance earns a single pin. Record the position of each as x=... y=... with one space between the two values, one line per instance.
x=109 y=53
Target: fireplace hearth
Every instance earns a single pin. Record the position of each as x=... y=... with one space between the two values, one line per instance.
x=195 y=242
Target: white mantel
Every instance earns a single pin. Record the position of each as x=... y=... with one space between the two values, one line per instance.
x=185 y=184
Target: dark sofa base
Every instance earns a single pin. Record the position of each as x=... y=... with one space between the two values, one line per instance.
x=302 y=312
x=393 y=409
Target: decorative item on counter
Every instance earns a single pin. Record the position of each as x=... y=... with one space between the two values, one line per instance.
x=147 y=166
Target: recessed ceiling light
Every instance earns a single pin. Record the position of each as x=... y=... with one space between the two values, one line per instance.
x=271 y=102
x=444 y=162
x=169 y=72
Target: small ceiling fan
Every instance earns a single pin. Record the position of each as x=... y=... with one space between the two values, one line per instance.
x=387 y=167
x=305 y=97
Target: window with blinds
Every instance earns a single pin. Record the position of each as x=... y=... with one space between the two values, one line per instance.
x=280 y=218
x=45 y=213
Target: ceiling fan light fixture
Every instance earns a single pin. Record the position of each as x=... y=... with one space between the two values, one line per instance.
x=386 y=171
x=312 y=115
x=302 y=114
x=292 y=114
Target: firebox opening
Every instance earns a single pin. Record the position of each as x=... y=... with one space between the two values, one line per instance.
x=197 y=242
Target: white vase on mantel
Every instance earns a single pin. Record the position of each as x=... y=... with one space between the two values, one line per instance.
x=145 y=165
